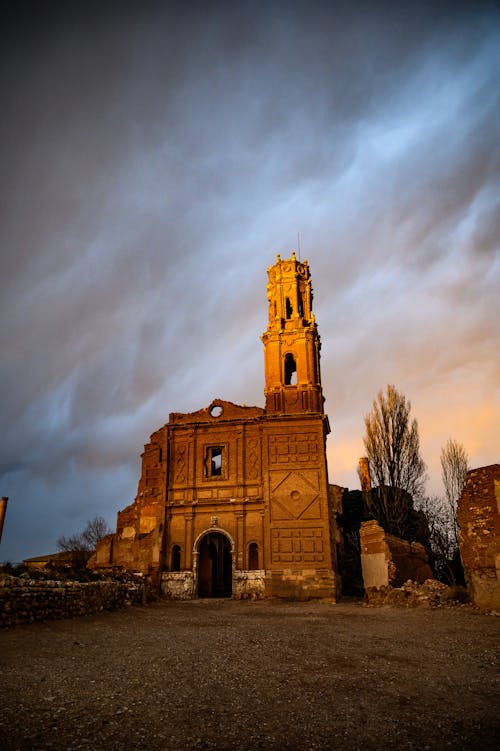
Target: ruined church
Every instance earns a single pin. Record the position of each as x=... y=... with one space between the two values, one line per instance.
x=234 y=501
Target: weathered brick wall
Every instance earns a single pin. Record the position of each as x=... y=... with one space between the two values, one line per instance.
x=387 y=560
x=28 y=600
x=478 y=515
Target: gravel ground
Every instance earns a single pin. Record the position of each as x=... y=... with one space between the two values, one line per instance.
x=220 y=674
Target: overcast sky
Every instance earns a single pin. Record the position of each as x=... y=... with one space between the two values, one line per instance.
x=154 y=161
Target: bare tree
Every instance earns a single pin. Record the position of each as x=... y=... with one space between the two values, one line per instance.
x=444 y=550
x=95 y=530
x=392 y=446
x=441 y=514
x=454 y=467
x=441 y=543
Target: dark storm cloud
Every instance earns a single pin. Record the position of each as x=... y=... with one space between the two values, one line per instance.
x=154 y=159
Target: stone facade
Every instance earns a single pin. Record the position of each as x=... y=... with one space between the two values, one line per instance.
x=389 y=561
x=233 y=500
x=478 y=516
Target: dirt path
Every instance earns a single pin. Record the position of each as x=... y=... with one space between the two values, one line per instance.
x=239 y=675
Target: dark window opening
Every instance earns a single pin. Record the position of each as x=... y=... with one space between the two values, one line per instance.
x=160 y=455
x=215 y=461
x=253 y=557
x=289 y=309
x=176 y=558
x=290 y=370
x=301 y=305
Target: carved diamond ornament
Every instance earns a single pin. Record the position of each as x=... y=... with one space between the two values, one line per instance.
x=295 y=494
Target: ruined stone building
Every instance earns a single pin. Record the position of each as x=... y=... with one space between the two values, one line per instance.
x=234 y=500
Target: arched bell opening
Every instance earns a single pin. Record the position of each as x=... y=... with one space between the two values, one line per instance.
x=290 y=370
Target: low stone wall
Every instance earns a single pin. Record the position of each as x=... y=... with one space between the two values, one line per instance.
x=28 y=600
x=387 y=560
x=249 y=585
x=179 y=585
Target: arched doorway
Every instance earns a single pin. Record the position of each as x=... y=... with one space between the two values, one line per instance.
x=215 y=566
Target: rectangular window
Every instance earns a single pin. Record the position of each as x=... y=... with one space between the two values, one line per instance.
x=214 y=461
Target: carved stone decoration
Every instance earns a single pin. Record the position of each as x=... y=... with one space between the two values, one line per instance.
x=289 y=449
x=297 y=546
x=253 y=459
x=214 y=521
x=296 y=496
x=180 y=464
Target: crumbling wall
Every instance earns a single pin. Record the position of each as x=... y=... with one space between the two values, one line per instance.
x=364 y=474
x=28 y=600
x=178 y=585
x=249 y=585
x=140 y=553
x=389 y=561
x=478 y=515
x=137 y=543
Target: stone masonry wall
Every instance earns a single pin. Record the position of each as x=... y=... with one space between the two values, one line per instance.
x=178 y=585
x=305 y=584
x=478 y=515
x=387 y=560
x=28 y=600
x=249 y=585
x=181 y=585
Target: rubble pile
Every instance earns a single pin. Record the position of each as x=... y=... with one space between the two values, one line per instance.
x=411 y=594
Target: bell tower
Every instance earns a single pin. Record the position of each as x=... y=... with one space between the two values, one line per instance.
x=291 y=341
